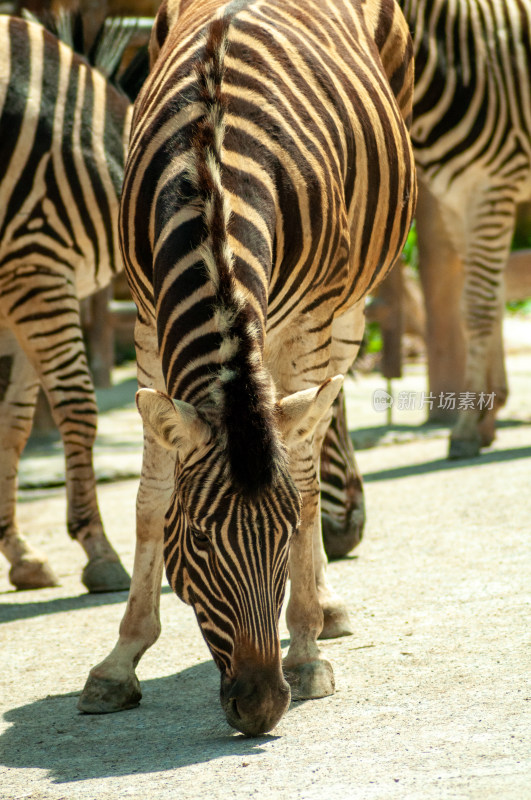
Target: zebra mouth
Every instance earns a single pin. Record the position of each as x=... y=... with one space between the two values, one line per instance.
x=255 y=700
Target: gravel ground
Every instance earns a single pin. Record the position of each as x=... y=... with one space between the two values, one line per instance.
x=433 y=697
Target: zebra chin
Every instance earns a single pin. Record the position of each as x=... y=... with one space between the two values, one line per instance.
x=255 y=699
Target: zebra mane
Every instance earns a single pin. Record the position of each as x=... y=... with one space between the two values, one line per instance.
x=105 y=52
x=242 y=394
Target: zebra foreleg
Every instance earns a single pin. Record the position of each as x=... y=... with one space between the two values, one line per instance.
x=314 y=609
x=18 y=393
x=113 y=685
x=310 y=675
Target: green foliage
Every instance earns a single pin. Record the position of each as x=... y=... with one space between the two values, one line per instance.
x=124 y=352
x=521 y=240
x=411 y=250
x=522 y=230
x=522 y=233
x=372 y=340
x=519 y=306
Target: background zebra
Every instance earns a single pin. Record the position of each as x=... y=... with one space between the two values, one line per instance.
x=269 y=185
x=472 y=140
x=63 y=130
x=471 y=135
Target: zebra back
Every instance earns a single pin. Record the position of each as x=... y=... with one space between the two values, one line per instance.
x=170 y=90
x=472 y=101
x=63 y=134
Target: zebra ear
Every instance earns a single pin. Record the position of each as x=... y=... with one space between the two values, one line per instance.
x=300 y=413
x=174 y=424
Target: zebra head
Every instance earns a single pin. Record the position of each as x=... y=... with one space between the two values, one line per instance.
x=226 y=550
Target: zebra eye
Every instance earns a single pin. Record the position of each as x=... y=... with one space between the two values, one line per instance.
x=199 y=536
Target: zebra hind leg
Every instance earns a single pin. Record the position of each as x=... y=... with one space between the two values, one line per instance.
x=336 y=619
x=54 y=345
x=496 y=387
x=103 y=571
x=483 y=303
x=342 y=499
x=485 y=373
x=18 y=393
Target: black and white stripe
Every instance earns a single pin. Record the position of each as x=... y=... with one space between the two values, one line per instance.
x=472 y=141
x=63 y=133
x=471 y=135
x=269 y=185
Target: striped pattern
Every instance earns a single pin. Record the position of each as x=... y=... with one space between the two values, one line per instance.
x=472 y=143
x=237 y=600
x=63 y=131
x=471 y=135
x=269 y=185
x=342 y=499
x=472 y=91
x=294 y=189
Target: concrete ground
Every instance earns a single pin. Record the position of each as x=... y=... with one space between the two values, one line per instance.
x=433 y=697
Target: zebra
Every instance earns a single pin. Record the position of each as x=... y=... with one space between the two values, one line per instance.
x=63 y=132
x=472 y=141
x=471 y=135
x=342 y=498
x=269 y=185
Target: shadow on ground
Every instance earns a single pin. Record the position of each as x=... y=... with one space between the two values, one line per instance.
x=442 y=464
x=366 y=438
x=179 y=722
x=9 y=612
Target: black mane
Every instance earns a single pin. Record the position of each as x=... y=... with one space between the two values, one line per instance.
x=105 y=52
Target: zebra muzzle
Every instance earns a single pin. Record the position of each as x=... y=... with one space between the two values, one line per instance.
x=255 y=700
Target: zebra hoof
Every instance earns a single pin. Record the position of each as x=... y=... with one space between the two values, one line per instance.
x=487 y=438
x=311 y=680
x=32 y=573
x=336 y=622
x=464 y=448
x=340 y=538
x=105 y=696
x=487 y=431
x=102 y=575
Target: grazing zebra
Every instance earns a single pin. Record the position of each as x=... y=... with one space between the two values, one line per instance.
x=269 y=185
x=63 y=130
x=471 y=135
